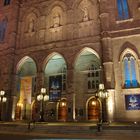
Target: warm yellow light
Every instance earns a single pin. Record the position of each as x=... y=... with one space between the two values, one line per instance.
x=46 y=98
x=101 y=86
x=93 y=103
x=2 y=92
x=43 y=90
x=110 y=106
x=20 y=104
x=40 y=97
x=4 y=99
x=63 y=104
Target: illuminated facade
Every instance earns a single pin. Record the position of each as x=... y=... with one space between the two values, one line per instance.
x=70 y=47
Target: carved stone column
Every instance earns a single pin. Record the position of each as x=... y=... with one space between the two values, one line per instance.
x=109 y=78
x=70 y=94
x=39 y=81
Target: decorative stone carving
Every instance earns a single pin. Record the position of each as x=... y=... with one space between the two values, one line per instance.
x=86 y=14
x=84 y=6
x=56 y=20
x=88 y=18
x=56 y=24
x=31 y=27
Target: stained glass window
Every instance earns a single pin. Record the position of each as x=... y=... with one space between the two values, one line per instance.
x=130 y=71
x=123 y=9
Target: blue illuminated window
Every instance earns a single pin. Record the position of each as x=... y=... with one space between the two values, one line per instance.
x=127 y=73
x=130 y=77
x=6 y=2
x=123 y=9
x=133 y=73
x=3 y=26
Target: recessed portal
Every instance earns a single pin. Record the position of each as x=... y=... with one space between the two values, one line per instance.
x=25 y=87
x=93 y=109
x=62 y=110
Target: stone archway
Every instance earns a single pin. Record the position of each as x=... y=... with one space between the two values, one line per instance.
x=93 y=109
x=55 y=76
x=25 y=87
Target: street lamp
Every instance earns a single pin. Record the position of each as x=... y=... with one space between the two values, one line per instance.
x=42 y=97
x=3 y=99
x=102 y=94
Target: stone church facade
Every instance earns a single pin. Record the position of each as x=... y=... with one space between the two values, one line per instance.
x=69 y=47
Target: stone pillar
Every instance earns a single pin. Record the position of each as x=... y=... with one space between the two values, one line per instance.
x=70 y=94
x=109 y=78
x=12 y=109
x=6 y=86
x=39 y=81
x=111 y=105
x=12 y=99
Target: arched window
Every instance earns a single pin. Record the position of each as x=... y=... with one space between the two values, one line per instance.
x=123 y=9
x=89 y=85
x=133 y=72
x=6 y=2
x=3 y=26
x=93 y=77
x=130 y=76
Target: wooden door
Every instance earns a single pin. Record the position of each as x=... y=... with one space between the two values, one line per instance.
x=35 y=111
x=93 y=109
x=18 y=112
x=62 y=111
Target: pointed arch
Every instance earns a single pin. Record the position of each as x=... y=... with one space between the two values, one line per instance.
x=60 y=4
x=55 y=73
x=130 y=71
x=51 y=56
x=77 y=2
x=22 y=61
x=29 y=11
x=128 y=47
x=86 y=49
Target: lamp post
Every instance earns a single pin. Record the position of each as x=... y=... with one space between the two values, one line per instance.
x=102 y=95
x=3 y=99
x=42 y=97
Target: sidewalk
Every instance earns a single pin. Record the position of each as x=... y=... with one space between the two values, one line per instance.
x=85 y=130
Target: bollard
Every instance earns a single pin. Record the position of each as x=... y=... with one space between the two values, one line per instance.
x=99 y=126
x=29 y=125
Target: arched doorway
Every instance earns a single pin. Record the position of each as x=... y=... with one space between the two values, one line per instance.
x=93 y=109
x=87 y=76
x=62 y=110
x=87 y=71
x=55 y=70
x=35 y=111
x=18 y=112
x=25 y=87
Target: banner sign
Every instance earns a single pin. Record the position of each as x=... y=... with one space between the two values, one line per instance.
x=132 y=102
x=26 y=90
x=55 y=87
